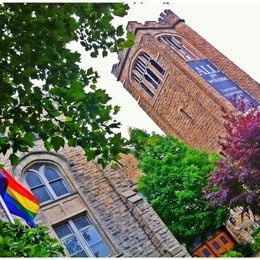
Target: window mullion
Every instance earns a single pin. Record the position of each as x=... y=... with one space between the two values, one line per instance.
x=63 y=239
x=144 y=60
x=140 y=69
x=136 y=77
x=179 y=46
x=46 y=182
x=147 y=89
x=155 y=75
x=81 y=239
x=37 y=186
x=153 y=83
x=147 y=73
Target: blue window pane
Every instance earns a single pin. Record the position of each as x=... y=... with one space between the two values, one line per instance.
x=80 y=254
x=206 y=252
x=41 y=194
x=73 y=245
x=59 y=188
x=100 y=250
x=216 y=245
x=62 y=230
x=91 y=236
x=81 y=222
x=223 y=239
x=33 y=180
x=51 y=174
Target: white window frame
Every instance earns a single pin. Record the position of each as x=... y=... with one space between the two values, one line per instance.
x=78 y=233
x=40 y=174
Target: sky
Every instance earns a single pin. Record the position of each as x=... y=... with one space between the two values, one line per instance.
x=232 y=26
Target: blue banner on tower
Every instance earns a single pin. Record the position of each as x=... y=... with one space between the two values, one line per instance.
x=220 y=82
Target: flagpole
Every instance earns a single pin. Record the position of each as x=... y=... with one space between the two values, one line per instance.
x=7 y=212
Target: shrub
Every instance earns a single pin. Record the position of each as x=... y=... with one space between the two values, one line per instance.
x=17 y=240
x=256 y=236
x=232 y=253
x=245 y=249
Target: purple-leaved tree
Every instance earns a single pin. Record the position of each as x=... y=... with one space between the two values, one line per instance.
x=237 y=178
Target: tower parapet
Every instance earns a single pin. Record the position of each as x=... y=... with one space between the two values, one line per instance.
x=181 y=81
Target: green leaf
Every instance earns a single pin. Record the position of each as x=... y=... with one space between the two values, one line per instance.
x=130 y=41
x=72 y=142
x=121 y=11
x=47 y=145
x=43 y=86
x=14 y=159
x=29 y=71
x=174 y=179
x=32 y=242
x=29 y=138
x=119 y=30
x=26 y=48
x=57 y=142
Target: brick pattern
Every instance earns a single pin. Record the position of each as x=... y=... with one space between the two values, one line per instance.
x=132 y=171
x=220 y=60
x=147 y=218
x=185 y=106
x=124 y=219
x=109 y=210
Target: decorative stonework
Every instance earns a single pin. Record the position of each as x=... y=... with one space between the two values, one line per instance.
x=185 y=105
x=126 y=222
x=147 y=218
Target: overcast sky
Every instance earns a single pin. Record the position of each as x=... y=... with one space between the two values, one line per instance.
x=231 y=26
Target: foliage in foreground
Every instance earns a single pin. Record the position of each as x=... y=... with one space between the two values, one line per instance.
x=17 y=240
x=236 y=182
x=43 y=89
x=256 y=236
x=173 y=182
x=232 y=253
x=245 y=249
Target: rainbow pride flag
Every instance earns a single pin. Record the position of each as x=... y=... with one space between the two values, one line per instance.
x=3 y=184
x=19 y=200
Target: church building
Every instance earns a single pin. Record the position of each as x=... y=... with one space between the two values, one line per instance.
x=93 y=212
x=181 y=81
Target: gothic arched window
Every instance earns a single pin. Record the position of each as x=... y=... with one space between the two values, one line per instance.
x=177 y=44
x=147 y=73
x=46 y=182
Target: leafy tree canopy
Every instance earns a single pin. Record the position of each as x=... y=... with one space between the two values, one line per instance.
x=173 y=182
x=43 y=89
x=16 y=240
x=236 y=182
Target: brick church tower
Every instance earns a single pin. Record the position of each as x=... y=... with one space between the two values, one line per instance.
x=181 y=81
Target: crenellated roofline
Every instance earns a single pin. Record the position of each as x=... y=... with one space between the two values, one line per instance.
x=167 y=20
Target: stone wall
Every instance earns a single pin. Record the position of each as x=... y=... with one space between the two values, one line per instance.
x=127 y=223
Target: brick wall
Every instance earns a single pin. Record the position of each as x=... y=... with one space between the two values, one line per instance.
x=127 y=223
x=185 y=105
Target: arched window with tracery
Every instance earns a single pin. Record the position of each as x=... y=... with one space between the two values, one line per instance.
x=147 y=73
x=46 y=182
x=178 y=45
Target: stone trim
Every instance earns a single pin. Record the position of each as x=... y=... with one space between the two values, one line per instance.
x=67 y=207
x=147 y=218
